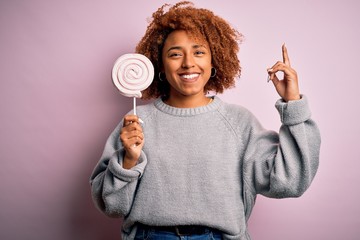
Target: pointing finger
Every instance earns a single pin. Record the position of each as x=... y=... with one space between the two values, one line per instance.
x=286 y=59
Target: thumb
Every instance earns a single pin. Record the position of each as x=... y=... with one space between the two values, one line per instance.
x=272 y=77
x=280 y=88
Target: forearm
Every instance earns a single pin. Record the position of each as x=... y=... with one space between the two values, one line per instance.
x=284 y=164
x=110 y=179
x=296 y=161
x=113 y=186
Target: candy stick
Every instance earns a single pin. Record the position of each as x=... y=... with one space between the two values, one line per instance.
x=134 y=102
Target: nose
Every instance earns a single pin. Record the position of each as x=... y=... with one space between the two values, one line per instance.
x=188 y=62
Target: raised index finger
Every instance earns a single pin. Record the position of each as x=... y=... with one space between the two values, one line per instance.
x=286 y=59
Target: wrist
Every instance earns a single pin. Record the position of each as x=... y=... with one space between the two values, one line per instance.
x=129 y=162
x=292 y=98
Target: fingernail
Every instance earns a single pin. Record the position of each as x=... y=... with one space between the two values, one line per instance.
x=269 y=69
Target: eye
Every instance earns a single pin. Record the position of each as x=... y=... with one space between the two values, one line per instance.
x=199 y=53
x=175 y=54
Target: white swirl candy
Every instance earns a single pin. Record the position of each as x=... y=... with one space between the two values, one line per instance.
x=132 y=73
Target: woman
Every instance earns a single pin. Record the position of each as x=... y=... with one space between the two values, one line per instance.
x=195 y=165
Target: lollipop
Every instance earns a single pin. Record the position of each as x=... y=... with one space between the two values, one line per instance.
x=131 y=74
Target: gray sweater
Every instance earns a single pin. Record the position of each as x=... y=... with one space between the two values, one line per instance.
x=205 y=165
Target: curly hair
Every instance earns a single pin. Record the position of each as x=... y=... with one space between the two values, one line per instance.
x=198 y=23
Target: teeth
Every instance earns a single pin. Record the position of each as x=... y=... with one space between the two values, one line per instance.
x=190 y=76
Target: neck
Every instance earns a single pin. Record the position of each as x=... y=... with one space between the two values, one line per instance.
x=188 y=101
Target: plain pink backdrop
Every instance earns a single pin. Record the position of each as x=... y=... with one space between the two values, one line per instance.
x=58 y=106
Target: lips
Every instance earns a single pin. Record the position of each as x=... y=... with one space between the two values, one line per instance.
x=189 y=77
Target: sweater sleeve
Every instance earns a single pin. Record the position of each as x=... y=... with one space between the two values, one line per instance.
x=283 y=164
x=113 y=187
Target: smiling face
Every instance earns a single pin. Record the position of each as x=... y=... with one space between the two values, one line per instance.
x=187 y=66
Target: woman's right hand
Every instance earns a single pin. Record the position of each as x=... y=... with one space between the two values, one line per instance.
x=132 y=138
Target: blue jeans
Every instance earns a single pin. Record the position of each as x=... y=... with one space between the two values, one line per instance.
x=151 y=234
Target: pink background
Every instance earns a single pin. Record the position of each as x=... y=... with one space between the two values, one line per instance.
x=58 y=106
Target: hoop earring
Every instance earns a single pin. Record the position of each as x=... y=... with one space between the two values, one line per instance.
x=213 y=72
x=161 y=80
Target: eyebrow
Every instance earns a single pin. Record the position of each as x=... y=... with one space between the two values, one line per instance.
x=179 y=48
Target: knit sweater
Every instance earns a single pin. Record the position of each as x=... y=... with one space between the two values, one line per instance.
x=205 y=166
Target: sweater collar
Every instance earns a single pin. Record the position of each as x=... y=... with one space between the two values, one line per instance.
x=159 y=104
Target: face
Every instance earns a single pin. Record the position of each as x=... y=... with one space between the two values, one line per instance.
x=187 y=64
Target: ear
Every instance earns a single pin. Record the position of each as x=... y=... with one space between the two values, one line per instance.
x=162 y=68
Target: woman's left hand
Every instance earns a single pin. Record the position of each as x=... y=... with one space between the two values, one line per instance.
x=288 y=87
